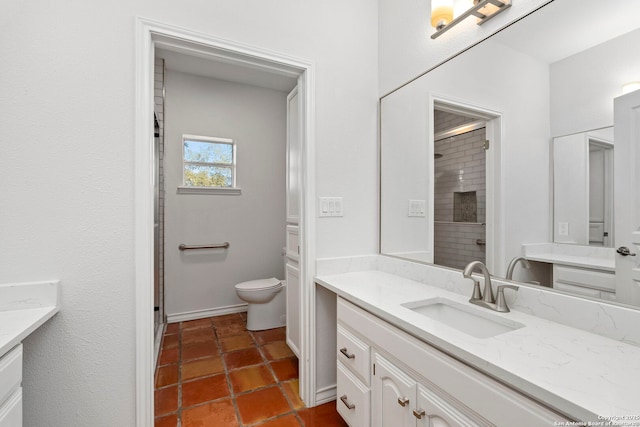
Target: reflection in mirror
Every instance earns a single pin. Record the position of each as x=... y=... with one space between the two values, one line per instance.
x=583 y=188
x=459 y=189
x=544 y=81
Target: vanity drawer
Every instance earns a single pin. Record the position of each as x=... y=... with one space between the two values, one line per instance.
x=583 y=277
x=10 y=372
x=353 y=398
x=11 y=410
x=353 y=353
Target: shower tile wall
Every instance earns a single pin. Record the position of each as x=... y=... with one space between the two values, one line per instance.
x=159 y=110
x=461 y=169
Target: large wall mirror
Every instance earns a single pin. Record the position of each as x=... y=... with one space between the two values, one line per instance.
x=512 y=143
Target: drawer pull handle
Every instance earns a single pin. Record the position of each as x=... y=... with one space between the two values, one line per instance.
x=403 y=401
x=344 y=351
x=419 y=413
x=346 y=402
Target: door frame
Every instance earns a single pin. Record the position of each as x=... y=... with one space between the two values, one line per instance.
x=494 y=231
x=149 y=35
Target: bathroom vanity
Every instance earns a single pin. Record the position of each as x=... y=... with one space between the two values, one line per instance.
x=579 y=270
x=397 y=359
x=24 y=307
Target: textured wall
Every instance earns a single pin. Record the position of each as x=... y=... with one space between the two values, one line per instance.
x=67 y=169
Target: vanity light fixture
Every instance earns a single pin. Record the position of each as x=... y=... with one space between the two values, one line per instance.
x=482 y=9
x=441 y=13
x=630 y=87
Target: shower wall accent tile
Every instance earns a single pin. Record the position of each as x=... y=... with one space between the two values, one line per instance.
x=465 y=206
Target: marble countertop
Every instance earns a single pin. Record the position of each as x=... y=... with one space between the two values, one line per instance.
x=578 y=373
x=24 y=307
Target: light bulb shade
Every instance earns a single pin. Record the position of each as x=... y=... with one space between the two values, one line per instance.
x=630 y=87
x=441 y=13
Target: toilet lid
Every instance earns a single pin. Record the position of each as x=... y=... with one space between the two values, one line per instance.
x=260 y=284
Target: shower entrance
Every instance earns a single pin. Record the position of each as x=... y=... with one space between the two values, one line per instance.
x=466 y=146
x=460 y=189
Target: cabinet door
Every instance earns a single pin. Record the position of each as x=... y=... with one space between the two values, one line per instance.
x=434 y=411
x=292 y=275
x=393 y=395
x=11 y=410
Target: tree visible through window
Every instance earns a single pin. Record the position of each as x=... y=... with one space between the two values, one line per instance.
x=208 y=162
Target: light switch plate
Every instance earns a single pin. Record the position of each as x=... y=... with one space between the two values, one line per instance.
x=563 y=228
x=330 y=206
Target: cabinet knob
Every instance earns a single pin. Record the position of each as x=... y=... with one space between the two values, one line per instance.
x=346 y=402
x=403 y=401
x=346 y=354
x=419 y=413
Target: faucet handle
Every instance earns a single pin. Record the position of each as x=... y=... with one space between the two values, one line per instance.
x=477 y=293
x=501 y=303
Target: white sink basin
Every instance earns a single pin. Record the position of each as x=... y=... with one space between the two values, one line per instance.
x=477 y=322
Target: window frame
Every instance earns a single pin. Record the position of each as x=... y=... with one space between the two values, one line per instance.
x=190 y=189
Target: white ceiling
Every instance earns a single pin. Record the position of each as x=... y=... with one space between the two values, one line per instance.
x=200 y=65
x=565 y=27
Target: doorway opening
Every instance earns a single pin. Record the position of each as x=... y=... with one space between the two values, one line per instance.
x=203 y=51
x=460 y=189
x=466 y=185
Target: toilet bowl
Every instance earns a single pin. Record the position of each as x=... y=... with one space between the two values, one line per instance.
x=266 y=303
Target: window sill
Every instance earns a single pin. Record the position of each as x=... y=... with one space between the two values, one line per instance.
x=209 y=190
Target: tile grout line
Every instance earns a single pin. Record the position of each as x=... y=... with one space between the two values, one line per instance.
x=227 y=376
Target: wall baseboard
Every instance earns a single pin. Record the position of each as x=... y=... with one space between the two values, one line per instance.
x=326 y=394
x=201 y=314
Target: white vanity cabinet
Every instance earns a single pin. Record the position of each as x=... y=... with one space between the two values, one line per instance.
x=10 y=388
x=410 y=383
x=400 y=400
x=353 y=378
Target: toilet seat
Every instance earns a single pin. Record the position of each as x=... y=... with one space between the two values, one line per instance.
x=259 y=285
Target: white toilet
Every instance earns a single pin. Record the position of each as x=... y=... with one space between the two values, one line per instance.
x=266 y=299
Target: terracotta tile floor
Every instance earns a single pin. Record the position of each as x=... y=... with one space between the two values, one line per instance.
x=214 y=373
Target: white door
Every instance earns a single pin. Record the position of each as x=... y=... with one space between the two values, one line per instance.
x=394 y=393
x=627 y=196
x=293 y=156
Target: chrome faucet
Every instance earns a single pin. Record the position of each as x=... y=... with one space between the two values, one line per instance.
x=486 y=298
x=512 y=266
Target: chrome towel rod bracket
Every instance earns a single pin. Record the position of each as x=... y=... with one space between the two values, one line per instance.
x=184 y=247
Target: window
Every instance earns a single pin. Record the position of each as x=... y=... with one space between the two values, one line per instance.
x=208 y=163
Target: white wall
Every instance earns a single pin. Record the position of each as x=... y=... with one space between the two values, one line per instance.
x=406 y=47
x=524 y=169
x=253 y=222
x=67 y=132
x=583 y=85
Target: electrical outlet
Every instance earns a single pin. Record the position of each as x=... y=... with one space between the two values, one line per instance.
x=563 y=228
